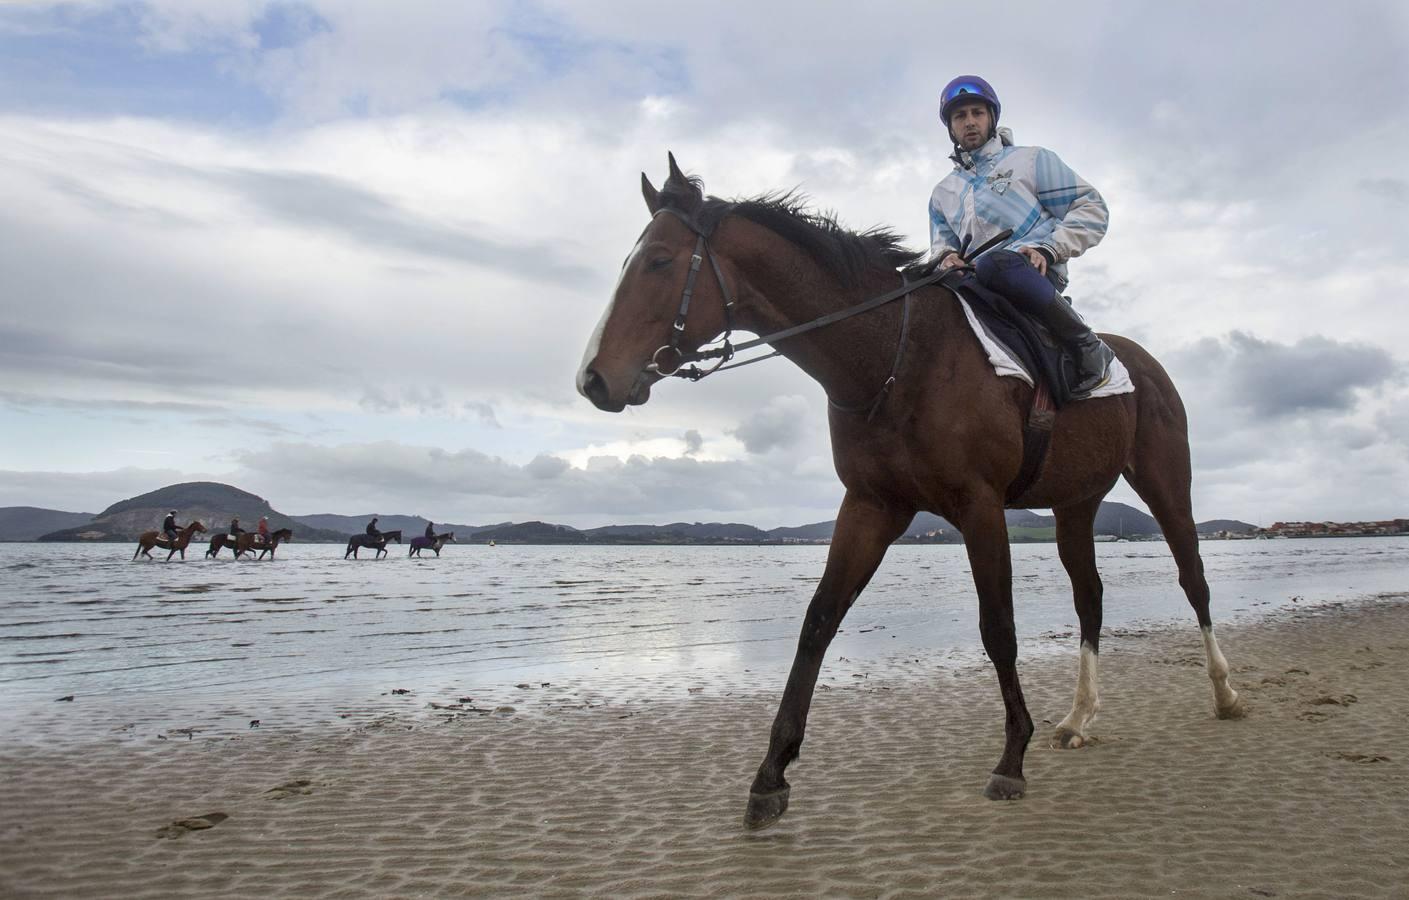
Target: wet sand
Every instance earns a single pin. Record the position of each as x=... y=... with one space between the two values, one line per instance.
x=639 y=792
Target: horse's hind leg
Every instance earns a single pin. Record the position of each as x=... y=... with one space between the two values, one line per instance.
x=863 y=532
x=1161 y=476
x=1075 y=524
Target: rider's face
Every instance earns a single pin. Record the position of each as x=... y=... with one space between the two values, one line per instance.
x=971 y=124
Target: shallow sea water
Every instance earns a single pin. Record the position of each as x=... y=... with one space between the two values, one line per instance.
x=234 y=638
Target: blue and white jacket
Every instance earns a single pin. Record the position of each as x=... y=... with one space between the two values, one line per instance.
x=1027 y=189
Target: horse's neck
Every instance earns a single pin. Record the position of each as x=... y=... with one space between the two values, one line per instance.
x=851 y=358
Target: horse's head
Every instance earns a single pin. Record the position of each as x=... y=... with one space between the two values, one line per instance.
x=195 y=527
x=449 y=536
x=643 y=334
x=284 y=534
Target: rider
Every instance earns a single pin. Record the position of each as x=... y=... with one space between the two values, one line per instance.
x=169 y=528
x=263 y=530
x=1054 y=214
x=235 y=529
x=430 y=531
x=372 y=531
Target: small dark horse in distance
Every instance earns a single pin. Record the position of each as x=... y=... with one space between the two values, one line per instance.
x=150 y=539
x=421 y=542
x=249 y=542
x=366 y=541
x=918 y=421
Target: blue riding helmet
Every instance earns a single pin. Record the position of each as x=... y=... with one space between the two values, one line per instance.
x=968 y=87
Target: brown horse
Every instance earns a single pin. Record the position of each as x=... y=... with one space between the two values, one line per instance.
x=219 y=541
x=249 y=542
x=150 y=539
x=918 y=420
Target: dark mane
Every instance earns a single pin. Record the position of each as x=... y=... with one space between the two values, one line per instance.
x=846 y=254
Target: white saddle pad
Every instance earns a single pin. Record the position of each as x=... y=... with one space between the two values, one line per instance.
x=1006 y=364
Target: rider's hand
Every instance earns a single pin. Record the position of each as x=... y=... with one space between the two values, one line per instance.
x=1037 y=259
x=950 y=260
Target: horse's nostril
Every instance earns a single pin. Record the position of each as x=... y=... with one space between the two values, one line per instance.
x=594 y=387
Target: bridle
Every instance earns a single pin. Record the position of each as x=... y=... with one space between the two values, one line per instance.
x=725 y=352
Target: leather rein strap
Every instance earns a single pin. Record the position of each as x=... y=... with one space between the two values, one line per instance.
x=727 y=350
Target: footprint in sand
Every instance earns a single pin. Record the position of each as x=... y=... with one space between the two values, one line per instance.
x=1334 y=700
x=290 y=789
x=182 y=827
x=1357 y=757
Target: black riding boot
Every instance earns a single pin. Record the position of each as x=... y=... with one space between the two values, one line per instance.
x=1090 y=353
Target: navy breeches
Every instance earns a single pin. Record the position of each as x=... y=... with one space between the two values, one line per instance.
x=1009 y=273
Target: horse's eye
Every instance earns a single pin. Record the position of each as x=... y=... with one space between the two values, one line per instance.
x=659 y=263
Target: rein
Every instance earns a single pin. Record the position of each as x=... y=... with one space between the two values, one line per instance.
x=726 y=351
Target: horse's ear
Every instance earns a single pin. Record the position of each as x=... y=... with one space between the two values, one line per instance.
x=685 y=193
x=652 y=195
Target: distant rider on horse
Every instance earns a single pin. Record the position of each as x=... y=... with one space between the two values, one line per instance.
x=262 y=532
x=235 y=529
x=430 y=532
x=169 y=528
x=372 y=531
x=1055 y=215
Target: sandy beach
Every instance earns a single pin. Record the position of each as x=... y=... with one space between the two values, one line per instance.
x=638 y=793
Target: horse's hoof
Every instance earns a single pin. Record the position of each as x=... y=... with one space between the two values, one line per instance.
x=1066 y=739
x=1001 y=787
x=765 y=809
x=1235 y=710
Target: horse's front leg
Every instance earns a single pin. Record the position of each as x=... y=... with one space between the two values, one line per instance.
x=864 y=530
x=986 y=540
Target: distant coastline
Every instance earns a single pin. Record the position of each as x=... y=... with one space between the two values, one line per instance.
x=214 y=505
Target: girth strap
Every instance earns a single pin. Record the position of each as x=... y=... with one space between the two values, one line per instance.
x=1037 y=437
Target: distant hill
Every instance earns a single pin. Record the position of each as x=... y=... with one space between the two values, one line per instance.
x=214 y=504
x=409 y=525
x=1124 y=521
x=817 y=531
x=1213 y=526
x=678 y=533
x=530 y=533
x=211 y=503
x=27 y=523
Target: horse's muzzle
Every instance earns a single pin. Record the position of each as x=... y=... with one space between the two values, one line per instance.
x=592 y=385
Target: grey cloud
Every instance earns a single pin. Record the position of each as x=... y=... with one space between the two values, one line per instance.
x=694 y=442
x=247 y=423
x=118 y=409
x=469 y=484
x=110 y=206
x=310 y=200
x=778 y=425
x=1316 y=374
x=1392 y=189
x=483 y=411
x=412 y=397
x=34 y=401
x=544 y=466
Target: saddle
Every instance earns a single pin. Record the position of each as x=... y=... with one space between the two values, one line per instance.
x=1026 y=340
x=1029 y=343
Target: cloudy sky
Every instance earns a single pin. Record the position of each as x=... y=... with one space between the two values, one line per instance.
x=347 y=255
